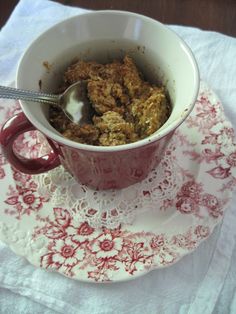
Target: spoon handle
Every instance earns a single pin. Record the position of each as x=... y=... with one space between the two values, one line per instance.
x=15 y=93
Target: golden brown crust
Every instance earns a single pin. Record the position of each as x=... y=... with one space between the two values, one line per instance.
x=87 y=133
x=102 y=96
x=82 y=71
x=150 y=113
x=131 y=77
x=114 y=130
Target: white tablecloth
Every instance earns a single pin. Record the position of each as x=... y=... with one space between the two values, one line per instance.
x=203 y=282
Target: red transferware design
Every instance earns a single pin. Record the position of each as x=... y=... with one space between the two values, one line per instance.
x=50 y=237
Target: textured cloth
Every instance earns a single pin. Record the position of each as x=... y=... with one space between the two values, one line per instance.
x=202 y=282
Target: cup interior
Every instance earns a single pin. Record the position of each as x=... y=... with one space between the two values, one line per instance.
x=104 y=36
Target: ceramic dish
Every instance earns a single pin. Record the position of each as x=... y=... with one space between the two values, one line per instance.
x=204 y=150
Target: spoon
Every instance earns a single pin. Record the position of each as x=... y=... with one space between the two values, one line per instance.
x=74 y=101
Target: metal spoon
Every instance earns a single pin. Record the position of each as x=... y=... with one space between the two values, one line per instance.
x=74 y=101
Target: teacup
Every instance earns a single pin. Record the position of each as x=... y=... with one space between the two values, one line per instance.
x=102 y=36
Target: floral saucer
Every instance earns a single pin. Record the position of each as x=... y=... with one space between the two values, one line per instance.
x=203 y=152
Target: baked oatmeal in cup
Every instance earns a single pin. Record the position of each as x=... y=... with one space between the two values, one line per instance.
x=126 y=107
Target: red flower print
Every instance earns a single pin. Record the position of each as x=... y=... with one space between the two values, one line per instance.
x=210 y=201
x=206 y=115
x=184 y=241
x=20 y=177
x=28 y=198
x=29 y=202
x=24 y=202
x=157 y=242
x=216 y=213
x=229 y=131
x=105 y=246
x=17 y=175
x=190 y=189
x=80 y=232
x=202 y=231
x=225 y=136
x=205 y=109
x=212 y=204
x=187 y=205
x=231 y=159
x=66 y=252
x=63 y=253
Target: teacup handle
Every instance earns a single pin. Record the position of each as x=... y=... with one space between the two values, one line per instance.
x=12 y=128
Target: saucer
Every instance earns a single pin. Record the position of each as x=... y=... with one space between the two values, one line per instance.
x=168 y=226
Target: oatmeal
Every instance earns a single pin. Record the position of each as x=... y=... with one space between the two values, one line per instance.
x=126 y=107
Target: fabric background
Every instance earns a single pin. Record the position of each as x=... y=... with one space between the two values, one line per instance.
x=202 y=282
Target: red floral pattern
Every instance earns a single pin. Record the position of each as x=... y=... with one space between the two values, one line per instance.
x=107 y=251
x=191 y=198
x=23 y=197
x=218 y=147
